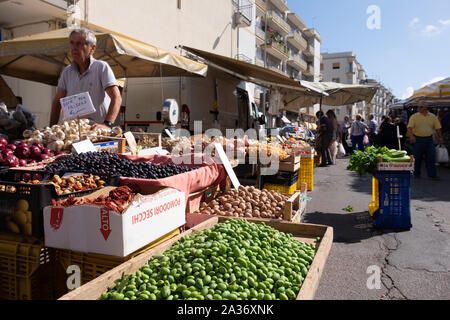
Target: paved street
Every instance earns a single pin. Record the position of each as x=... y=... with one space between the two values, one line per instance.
x=414 y=264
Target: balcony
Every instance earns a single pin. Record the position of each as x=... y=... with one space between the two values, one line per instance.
x=296 y=20
x=296 y=62
x=260 y=36
x=273 y=68
x=310 y=69
x=296 y=40
x=275 y=21
x=260 y=7
x=309 y=51
x=243 y=57
x=276 y=49
x=280 y=5
x=259 y=62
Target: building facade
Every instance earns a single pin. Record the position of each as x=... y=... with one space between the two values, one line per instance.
x=379 y=106
x=343 y=67
x=232 y=28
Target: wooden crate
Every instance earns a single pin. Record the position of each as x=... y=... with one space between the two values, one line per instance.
x=289 y=166
x=143 y=135
x=301 y=231
x=111 y=144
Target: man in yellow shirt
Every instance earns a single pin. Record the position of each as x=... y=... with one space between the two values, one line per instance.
x=421 y=127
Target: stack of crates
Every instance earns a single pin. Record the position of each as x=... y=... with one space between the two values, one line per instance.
x=283 y=182
x=26 y=269
x=394 y=197
x=306 y=172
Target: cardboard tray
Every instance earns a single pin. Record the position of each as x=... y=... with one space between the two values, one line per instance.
x=301 y=231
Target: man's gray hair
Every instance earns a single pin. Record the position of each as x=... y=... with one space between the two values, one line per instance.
x=89 y=36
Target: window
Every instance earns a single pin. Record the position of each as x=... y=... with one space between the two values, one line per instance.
x=337 y=80
x=179 y=4
x=321 y=67
x=336 y=65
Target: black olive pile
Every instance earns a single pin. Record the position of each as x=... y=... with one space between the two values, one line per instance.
x=107 y=163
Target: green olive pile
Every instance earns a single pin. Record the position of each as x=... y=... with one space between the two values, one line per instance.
x=234 y=260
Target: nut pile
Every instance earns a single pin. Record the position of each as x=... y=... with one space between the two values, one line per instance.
x=247 y=202
x=71 y=184
x=117 y=200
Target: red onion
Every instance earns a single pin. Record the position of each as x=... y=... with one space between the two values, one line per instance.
x=35 y=151
x=3 y=141
x=7 y=153
x=2 y=146
x=46 y=151
x=22 y=152
x=22 y=163
x=11 y=146
x=13 y=161
x=40 y=146
x=44 y=157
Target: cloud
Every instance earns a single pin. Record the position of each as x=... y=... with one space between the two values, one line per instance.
x=414 y=23
x=434 y=30
x=408 y=93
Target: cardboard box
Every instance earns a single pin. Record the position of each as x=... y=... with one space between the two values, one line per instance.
x=94 y=229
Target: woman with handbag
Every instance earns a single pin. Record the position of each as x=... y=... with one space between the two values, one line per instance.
x=358 y=131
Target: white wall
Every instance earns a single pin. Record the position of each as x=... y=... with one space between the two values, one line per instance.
x=36 y=97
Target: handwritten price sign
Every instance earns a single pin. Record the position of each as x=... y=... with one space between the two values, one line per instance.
x=77 y=105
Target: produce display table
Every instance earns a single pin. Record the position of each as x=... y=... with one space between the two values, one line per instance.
x=302 y=232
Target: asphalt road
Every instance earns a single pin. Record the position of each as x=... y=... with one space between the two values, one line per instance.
x=411 y=265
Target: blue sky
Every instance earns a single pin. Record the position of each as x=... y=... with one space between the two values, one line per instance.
x=411 y=48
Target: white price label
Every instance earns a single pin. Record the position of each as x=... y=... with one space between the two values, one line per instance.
x=84 y=146
x=76 y=106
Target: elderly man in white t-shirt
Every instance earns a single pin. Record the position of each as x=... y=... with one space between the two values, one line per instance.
x=86 y=74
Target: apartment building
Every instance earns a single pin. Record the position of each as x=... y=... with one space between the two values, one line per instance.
x=379 y=106
x=284 y=44
x=343 y=67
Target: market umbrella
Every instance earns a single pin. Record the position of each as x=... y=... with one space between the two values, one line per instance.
x=338 y=95
x=42 y=57
x=439 y=89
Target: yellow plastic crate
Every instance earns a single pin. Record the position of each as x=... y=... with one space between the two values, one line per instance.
x=375 y=204
x=93 y=265
x=281 y=189
x=25 y=269
x=306 y=173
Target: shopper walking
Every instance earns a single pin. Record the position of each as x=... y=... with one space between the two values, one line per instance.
x=325 y=129
x=421 y=127
x=357 y=131
x=335 y=136
x=387 y=134
x=373 y=126
x=345 y=126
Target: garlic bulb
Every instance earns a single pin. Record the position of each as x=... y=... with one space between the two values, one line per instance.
x=55 y=127
x=117 y=131
x=68 y=144
x=27 y=134
x=60 y=135
x=56 y=146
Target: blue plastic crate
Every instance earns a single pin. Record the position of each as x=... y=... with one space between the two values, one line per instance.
x=394 y=190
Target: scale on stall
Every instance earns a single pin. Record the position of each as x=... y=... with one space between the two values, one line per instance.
x=170 y=113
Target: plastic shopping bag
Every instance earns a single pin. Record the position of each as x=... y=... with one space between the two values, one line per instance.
x=341 y=150
x=441 y=154
x=366 y=140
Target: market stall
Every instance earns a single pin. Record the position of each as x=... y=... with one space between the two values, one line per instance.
x=105 y=210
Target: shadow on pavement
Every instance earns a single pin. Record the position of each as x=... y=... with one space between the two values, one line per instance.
x=424 y=188
x=349 y=227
